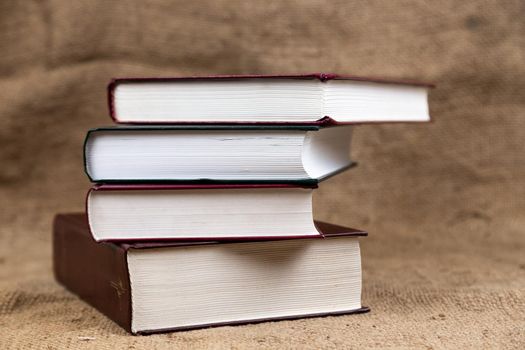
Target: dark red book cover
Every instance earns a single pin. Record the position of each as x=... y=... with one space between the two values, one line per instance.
x=176 y=187
x=98 y=272
x=323 y=122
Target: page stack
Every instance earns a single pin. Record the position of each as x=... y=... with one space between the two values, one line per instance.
x=201 y=210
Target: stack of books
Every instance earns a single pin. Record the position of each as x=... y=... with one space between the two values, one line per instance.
x=201 y=212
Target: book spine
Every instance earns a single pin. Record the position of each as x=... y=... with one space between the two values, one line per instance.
x=84 y=155
x=111 y=100
x=96 y=272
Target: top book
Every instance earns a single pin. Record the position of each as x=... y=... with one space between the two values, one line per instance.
x=321 y=99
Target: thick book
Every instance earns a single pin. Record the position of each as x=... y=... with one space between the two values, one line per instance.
x=317 y=98
x=200 y=212
x=216 y=153
x=159 y=287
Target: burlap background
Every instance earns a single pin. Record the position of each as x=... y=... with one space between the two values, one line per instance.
x=444 y=266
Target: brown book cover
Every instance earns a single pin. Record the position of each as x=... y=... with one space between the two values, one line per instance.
x=98 y=272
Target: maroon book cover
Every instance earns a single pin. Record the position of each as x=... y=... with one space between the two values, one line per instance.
x=176 y=187
x=323 y=77
x=98 y=272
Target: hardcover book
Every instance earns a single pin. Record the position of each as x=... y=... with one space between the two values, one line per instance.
x=217 y=154
x=317 y=98
x=157 y=287
x=199 y=212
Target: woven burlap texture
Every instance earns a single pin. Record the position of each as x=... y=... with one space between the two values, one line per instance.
x=444 y=265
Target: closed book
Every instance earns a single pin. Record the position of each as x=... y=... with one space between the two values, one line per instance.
x=216 y=153
x=145 y=212
x=155 y=287
x=318 y=98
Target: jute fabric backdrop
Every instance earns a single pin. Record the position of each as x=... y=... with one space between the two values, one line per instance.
x=444 y=265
